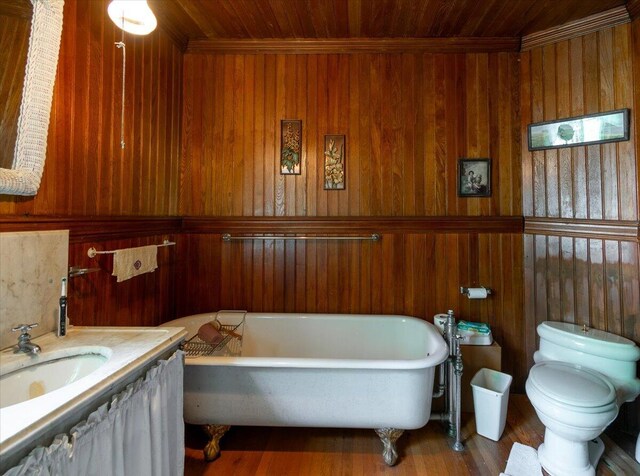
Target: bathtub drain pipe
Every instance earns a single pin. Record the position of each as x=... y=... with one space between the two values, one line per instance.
x=442 y=368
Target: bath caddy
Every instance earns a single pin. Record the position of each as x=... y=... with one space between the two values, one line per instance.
x=229 y=346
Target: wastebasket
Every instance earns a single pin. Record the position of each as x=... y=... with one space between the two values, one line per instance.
x=490 y=401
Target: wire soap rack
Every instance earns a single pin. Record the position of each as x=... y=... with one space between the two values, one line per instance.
x=229 y=346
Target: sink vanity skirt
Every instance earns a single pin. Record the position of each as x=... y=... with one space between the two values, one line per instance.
x=125 y=418
x=139 y=432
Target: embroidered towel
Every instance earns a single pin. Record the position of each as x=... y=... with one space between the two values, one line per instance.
x=131 y=262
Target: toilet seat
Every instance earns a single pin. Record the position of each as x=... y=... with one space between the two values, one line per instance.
x=577 y=388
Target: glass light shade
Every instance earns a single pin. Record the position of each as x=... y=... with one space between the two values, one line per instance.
x=133 y=16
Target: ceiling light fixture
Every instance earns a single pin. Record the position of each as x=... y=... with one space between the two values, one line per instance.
x=133 y=16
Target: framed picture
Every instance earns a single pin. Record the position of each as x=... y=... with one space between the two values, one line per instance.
x=591 y=129
x=334 y=162
x=290 y=147
x=474 y=177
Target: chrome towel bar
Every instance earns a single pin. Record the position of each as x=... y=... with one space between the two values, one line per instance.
x=372 y=237
x=92 y=252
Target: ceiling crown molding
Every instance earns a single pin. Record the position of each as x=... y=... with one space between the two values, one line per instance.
x=354 y=45
x=599 y=21
x=633 y=7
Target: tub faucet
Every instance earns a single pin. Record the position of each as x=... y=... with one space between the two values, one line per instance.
x=24 y=341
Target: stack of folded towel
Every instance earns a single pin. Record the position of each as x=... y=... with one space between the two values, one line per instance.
x=475 y=333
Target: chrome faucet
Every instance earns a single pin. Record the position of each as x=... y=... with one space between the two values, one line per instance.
x=24 y=341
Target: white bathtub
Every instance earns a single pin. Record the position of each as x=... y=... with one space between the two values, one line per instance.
x=316 y=370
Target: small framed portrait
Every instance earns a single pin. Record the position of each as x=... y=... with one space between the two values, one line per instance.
x=474 y=177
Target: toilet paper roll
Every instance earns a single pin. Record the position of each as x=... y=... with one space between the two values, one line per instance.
x=477 y=293
x=439 y=321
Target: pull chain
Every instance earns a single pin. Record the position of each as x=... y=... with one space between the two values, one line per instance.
x=120 y=44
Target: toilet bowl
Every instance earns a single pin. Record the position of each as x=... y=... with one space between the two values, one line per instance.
x=580 y=379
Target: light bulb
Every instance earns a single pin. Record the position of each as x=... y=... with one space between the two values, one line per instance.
x=133 y=16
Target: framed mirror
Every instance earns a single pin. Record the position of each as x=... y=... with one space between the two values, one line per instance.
x=15 y=23
x=25 y=173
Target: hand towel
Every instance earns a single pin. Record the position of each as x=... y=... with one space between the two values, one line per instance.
x=131 y=262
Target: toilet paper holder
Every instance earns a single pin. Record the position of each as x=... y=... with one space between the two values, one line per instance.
x=476 y=292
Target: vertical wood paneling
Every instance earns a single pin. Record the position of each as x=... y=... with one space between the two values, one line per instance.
x=407 y=118
x=96 y=299
x=589 y=74
x=86 y=172
x=582 y=279
x=415 y=274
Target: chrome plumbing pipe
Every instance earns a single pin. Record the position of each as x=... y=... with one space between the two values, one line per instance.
x=450 y=383
x=450 y=331
x=458 y=368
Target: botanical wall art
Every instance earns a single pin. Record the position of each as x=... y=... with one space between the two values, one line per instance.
x=583 y=130
x=474 y=177
x=291 y=147
x=334 y=162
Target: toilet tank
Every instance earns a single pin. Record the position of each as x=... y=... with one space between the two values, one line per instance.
x=609 y=354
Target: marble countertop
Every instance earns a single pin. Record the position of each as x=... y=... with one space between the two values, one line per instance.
x=129 y=349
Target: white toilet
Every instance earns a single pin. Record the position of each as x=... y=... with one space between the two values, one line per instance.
x=580 y=379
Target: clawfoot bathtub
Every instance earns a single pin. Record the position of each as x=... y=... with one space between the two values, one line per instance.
x=313 y=370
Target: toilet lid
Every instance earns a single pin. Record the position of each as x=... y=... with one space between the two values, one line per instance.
x=572 y=384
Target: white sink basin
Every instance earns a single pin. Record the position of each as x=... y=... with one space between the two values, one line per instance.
x=47 y=375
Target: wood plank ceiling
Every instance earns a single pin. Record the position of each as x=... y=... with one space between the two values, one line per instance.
x=323 y=19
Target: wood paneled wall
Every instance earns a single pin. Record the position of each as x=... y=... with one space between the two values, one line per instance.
x=86 y=171
x=407 y=118
x=596 y=184
x=14 y=43
x=587 y=74
x=417 y=274
x=581 y=204
x=87 y=175
x=96 y=298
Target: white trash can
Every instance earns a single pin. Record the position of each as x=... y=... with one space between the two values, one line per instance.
x=490 y=402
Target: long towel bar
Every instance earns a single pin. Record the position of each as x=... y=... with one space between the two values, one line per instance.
x=92 y=252
x=372 y=237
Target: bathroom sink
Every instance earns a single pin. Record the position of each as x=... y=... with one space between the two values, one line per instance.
x=48 y=374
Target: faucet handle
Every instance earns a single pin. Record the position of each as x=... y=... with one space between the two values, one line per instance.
x=25 y=328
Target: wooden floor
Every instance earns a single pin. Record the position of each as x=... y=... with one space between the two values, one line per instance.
x=249 y=451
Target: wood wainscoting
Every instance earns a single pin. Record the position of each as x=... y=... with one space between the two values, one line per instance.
x=581 y=204
x=95 y=299
x=417 y=268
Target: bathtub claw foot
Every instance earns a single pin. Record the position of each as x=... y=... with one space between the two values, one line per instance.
x=215 y=432
x=389 y=436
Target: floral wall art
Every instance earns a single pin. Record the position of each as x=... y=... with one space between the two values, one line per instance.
x=291 y=149
x=334 y=162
